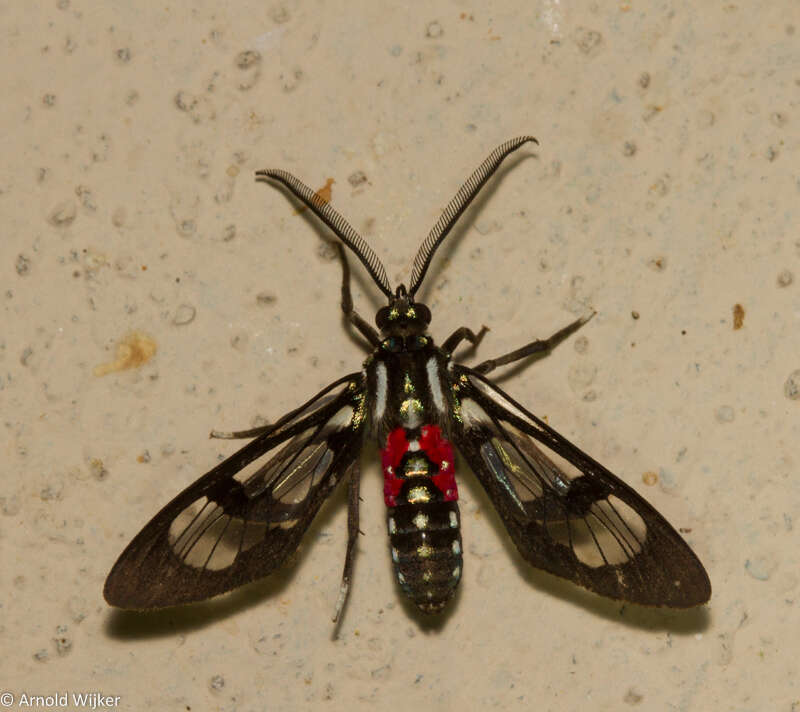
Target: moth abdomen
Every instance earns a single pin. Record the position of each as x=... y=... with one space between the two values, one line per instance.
x=425 y=540
x=424 y=529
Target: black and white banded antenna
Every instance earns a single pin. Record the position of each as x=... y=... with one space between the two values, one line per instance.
x=456 y=207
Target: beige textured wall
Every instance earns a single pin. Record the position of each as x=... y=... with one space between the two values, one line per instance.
x=666 y=184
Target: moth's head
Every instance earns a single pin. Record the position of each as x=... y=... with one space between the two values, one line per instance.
x=403 y=315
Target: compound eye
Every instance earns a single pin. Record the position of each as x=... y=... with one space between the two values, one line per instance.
x=423 y=313
x=387 y=315
x=382 y=317
x=392 y=344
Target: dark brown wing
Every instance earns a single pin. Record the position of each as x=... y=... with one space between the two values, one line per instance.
x=229 y=528
x=565 y=512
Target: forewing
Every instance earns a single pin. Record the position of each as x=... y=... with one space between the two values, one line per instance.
x=565 y=512
x=229 y=528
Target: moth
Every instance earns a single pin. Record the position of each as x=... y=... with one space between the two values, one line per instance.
x=565 y=512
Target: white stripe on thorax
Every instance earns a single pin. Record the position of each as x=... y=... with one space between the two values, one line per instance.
x=381 y=387
x=435 y=384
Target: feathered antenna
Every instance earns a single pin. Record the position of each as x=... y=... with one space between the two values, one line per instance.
x=331 y=217
x=458 y=205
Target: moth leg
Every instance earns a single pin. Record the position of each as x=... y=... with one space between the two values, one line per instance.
x=538 y=346
x=239 y=434
x=353 y=498
x=452 y=341
x=347 y=304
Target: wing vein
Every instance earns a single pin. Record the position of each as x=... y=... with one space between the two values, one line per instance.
x=188 y=528
x=220 y=537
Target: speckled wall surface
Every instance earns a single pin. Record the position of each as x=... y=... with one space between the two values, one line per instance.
x=151 y=291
